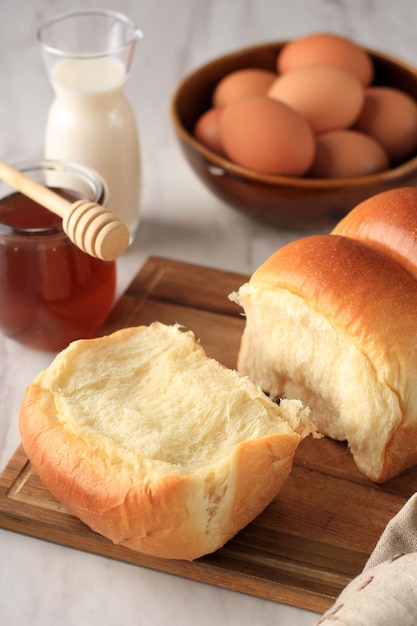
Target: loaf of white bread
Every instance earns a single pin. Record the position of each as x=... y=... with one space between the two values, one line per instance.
x=155 y=445
x=332 y=320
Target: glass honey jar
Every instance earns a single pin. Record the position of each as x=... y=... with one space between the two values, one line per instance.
x=51 y=292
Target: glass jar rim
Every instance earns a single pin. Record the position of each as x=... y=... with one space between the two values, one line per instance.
x=6 y=230
x=55 y=230
x=116 y=15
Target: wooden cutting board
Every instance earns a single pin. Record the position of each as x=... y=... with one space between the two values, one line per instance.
x=306 y=546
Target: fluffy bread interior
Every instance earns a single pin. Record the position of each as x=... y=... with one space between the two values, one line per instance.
x=306 y=358
x=155 y=445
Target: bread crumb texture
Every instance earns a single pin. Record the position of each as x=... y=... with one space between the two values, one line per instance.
x=155 y=445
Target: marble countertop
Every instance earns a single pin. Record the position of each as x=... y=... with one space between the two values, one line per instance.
x=42 y=583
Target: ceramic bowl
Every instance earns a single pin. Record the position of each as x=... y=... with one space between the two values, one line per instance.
x=281 y=201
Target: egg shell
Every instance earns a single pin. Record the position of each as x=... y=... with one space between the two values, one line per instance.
x=267 y=136
x=390 y=116
x=207 y=130
x=346 y=154
x=240 y=83
x=326 y=48
x=327 y=96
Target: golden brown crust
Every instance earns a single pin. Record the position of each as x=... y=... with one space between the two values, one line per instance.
x=371 y=302
x=141 y=503
x=358 y=289
x=401 y=449
x=387 y=222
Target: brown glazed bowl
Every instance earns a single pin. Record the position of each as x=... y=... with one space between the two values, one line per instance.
x=280 y=201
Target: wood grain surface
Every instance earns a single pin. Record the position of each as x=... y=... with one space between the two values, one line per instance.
x=309 y=542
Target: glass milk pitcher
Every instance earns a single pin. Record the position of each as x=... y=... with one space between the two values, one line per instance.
x=88 y=55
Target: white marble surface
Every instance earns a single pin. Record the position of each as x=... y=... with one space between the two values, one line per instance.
x=45 y=584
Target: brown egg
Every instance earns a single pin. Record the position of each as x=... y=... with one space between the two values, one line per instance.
x=327 y=96
x=245 y=82
x=267 y=136
x=390 y=116
x=207 y=130
x=346 y=154
x=323 y=49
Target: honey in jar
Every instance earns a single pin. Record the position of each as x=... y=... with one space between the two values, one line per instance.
x=51 y=292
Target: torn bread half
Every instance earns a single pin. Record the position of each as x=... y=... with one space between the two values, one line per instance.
x=155 y=445
x=332 y=321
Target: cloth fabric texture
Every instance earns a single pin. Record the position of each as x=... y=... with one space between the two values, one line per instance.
x=385 y=593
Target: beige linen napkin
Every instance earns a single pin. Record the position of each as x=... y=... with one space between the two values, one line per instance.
x=385 y=594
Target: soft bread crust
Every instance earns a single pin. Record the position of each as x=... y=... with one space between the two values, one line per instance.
x=332 y=321
x=387 y=222
x=154 y=445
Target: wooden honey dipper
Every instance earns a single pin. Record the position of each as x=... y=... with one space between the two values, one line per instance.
x=90 y=226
